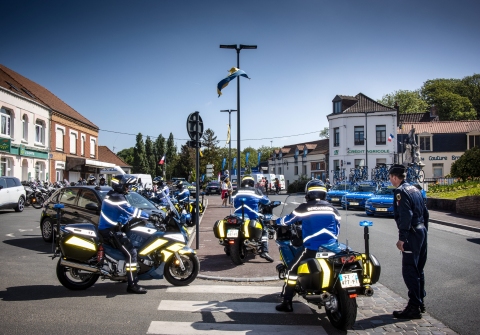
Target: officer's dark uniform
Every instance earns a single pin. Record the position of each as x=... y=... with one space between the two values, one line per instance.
x=411 y=217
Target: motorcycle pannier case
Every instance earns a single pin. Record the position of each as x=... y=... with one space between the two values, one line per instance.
x=79 y=241
x=371 y=271
x=219 y=229
x=255 y=229
x=310 y=275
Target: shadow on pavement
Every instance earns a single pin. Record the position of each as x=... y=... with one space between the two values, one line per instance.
x=31 y=243
x=474 y=240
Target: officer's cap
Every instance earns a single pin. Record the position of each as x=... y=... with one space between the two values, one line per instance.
x=397 y=169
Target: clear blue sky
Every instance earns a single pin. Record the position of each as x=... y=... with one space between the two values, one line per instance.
x=144 y=66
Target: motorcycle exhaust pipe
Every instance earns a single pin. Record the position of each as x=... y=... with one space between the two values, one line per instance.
x=79 y=266
x=368 y=291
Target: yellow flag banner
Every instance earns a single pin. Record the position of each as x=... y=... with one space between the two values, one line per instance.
x=228 y=134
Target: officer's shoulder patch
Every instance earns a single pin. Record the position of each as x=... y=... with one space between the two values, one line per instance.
x=399 y=196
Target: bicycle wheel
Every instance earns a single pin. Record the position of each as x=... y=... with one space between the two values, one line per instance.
x=421 y=176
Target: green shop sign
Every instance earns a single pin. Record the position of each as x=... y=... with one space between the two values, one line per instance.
x=382 y=151
x=27 y=152
x=5 y=144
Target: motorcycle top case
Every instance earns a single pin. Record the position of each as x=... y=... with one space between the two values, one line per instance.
x=79 y=241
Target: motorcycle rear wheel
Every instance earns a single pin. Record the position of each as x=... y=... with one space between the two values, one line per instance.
x=346 y=314
x=73 y=279
x=178 y=277
x=238 y=252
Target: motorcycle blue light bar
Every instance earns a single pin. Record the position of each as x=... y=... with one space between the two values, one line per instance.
x=58 y=206
x=243 y=199
x=366 y=223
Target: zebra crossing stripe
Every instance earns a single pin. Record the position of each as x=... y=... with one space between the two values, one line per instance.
x=228 y=307
x=238 y=289
x=201 y=328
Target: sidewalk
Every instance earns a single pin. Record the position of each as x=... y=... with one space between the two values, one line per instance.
x=455 y=220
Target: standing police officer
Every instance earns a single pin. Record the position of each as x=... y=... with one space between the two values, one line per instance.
x=247 y=200
x=320 y=226
x=411 y=216
x=117 y=212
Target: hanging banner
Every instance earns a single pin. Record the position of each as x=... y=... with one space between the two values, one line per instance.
x=224 y=160
x=259 y=155
x=246 y=158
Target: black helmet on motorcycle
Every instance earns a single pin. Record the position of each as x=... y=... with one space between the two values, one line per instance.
x=179 y=184
x=121 y=182
x=91 y=179
x=315 y=189
x=247 y=181
x=158 y=181
x=102 y=181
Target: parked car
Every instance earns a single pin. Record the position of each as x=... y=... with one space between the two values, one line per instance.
x=82 y=205
x=12 y=194
x=334 y=196
x=213 y=187
x=359 y=194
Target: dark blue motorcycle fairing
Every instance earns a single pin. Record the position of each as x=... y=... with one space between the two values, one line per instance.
x=113 y=252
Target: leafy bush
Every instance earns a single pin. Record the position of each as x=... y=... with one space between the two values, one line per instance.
x=471 y=183
x=467 y=165
x=298 y=185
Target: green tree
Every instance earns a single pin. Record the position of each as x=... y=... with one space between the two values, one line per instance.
x=150 y=156
x=408 y=101
x=467 y=165
x=252 y=159
x=139 y=157
x=159 y=152
x=210 y=152
x=171 y=157
x=448 y=95
x=186 y=162
x=126 y=155
x=324 y=133
x=472 y=91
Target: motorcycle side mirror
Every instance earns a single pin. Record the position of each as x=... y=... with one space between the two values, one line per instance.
x=276 y=203
x=92 y=206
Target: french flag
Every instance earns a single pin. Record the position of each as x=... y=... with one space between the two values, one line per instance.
x=163 y=160
x=390 y=138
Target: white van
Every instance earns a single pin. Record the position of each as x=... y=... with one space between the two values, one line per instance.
x=146 y=179
x=257 y=178
x=281 y=178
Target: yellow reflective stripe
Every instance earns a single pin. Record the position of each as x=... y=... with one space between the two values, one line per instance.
x=245 y=228
x=154 y=245
x=175 y=247
x=367 y=270
x=303 y=268
x=291 y=282
x=325 y=272
x=258 y=225
x=166 y=255
x=221 y=228
x=80 y=242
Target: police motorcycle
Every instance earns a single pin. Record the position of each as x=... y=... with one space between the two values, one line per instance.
x=188 y=208
x=34 y=196
x=162 y=252
x=335 y=277
x=239 y=235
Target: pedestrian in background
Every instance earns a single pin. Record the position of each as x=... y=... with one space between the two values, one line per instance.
x=224 y=193
x=411 y=216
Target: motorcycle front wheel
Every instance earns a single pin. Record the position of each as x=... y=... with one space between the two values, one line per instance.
x=346 y=314
x=174 y=274
x=37 y=201
x=238 y=252
x=75 y=279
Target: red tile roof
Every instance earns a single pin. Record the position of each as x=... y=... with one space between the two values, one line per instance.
x=18 y=84
x=441 y=127
x=314 y=147
x=366 y=104
x=107 y=155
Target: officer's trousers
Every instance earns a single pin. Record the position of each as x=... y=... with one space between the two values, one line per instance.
x=413 y=261
x=291 y=277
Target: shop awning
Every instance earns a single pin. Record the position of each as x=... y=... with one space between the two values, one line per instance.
x=98 y=164
x=112 y=170
x=72 y=162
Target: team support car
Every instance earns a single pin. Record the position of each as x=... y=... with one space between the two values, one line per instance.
x=191 y=188
x=12 y=194
x=359 y=194
x=82 y=204
x=334 y=196
x=382 y=202
x=213 y=187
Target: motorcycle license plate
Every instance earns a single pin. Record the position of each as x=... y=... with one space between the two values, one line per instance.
x=353 y=203
x=232 y=233
x=335 y=199
x=349 y=280
x=381 y=209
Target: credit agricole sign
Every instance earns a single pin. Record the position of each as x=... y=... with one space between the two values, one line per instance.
x=381 y=151
x=5 y=144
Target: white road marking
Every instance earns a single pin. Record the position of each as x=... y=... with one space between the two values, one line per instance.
x=10 y=235
x=22 y=230
x=238 y=289
x=228 y=307
x=201 y=328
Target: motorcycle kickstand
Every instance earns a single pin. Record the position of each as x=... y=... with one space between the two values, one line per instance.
x=177 y=256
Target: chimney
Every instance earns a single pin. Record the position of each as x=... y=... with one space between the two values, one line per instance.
x=433 y=111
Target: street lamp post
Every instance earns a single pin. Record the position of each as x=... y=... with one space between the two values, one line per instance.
x=229 y=111
x=238 y=48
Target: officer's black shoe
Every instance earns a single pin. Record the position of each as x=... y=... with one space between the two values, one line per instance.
x=137 y=289
x=410 y=312
x=285 y=306
x=266 y=256
x=423 y=309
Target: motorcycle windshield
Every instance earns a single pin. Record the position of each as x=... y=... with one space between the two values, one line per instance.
x=292 y=202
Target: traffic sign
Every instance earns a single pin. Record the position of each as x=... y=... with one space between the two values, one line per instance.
x=195 y=126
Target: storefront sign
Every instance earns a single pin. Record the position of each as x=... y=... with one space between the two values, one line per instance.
x=27 y=152
x=335 y=152
x=382 y=151
x=59 y=165
x=5 y=144
x=437 y=158
x=454 y=158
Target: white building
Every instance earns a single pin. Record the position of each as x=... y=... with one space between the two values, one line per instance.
x=359 y=131
x=24 y=133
